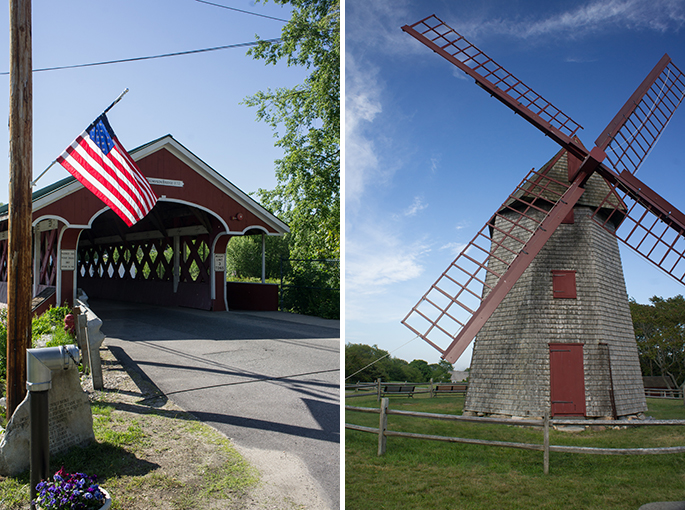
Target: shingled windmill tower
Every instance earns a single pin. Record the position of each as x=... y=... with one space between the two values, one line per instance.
x=541 y=287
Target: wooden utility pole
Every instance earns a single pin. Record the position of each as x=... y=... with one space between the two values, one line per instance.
x=21 y=168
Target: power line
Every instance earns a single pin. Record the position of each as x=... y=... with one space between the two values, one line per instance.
x=151 y=57
x=382 y=357
x=240 y=10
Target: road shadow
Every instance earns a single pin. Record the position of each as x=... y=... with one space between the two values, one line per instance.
x=161 y=323
x=329 y=435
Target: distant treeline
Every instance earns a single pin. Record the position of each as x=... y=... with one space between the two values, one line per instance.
x=660 y=335
x=358 y=356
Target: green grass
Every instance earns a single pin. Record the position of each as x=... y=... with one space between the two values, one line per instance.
x=422 y=474
x=120 y=459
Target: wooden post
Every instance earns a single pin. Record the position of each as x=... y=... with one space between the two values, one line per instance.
x=378 y=392
x=21 y=169
x=382 y=426
x=546 y=444
x=431 y=387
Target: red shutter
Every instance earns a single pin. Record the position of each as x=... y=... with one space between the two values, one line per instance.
x=564 y=284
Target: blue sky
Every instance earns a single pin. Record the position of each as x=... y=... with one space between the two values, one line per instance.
x=195 y=98
x=430 y=156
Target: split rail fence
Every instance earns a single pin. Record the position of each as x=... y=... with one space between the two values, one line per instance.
x=381 y=388
x=383 y=432
x=377 y=388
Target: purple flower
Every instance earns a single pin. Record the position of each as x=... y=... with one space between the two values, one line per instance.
x=69 y=492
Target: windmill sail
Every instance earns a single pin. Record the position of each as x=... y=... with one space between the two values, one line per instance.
x=649 y=224
x=446 y=42
x=490 y=264
x=637 y=126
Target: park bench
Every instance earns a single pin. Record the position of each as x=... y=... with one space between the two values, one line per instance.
x=450 y=388
x=399 y=389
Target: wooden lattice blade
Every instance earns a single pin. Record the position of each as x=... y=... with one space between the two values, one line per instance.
x=645 y=222
x=501 y=84
x=468 y=291
x=637 y=126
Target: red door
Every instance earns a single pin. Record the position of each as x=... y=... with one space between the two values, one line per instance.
x=567 y=379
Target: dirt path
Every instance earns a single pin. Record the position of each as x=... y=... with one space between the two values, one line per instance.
x=177 y=444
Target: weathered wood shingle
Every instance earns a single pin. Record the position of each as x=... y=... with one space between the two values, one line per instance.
x=510 y=370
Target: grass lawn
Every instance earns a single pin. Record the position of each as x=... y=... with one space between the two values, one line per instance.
x=421 y=474
x=149 y=454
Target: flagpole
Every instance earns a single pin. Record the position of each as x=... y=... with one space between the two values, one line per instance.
x=115 y=101
x=33 y=183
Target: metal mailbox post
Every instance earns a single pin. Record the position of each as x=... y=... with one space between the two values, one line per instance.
x=39 y=366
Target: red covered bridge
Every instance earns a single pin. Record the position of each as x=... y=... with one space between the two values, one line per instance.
x=176 y=255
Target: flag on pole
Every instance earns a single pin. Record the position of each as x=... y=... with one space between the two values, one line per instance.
x=101 y=164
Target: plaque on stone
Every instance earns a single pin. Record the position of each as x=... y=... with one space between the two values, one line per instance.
x=70 y=423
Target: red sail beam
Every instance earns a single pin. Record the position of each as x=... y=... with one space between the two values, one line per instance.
x=649 y=224
x=452 y=302
x=637 y=126
x=501 y=84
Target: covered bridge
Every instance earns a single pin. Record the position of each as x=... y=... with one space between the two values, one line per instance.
x=176 y=255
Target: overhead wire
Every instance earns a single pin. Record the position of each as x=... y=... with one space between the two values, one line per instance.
x=151 y=57
x=240 y=10
x=174 y=54
x=382 y=357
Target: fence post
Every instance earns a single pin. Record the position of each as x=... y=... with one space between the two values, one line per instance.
x=378 y=390
x=546 y=444
x=382 y=426
x=431 y=387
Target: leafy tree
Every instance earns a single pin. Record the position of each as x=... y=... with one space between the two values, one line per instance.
x=423 y=369
x=244 y=257
x=441 y=371
x=358 y=356
x=307 y=195
x=660 y=335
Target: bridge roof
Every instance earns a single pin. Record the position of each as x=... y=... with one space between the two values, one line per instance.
x=178 y=177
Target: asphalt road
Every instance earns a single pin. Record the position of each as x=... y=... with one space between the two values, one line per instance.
x=267 y=380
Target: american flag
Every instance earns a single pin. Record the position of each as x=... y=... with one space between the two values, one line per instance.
x=101 y=164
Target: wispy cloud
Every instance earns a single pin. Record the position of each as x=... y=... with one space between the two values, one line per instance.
x=381 y=273
x=454 y=248
x=416 y=207
x=382 y=261
x=592 y=17
x=377 y=24
x=362 y=105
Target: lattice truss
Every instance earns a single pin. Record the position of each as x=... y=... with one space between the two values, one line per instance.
x=47 y=274
x=147 y=260
x=4 y=245
x=456 y=295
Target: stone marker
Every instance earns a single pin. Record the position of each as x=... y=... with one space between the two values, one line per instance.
x=70 y=421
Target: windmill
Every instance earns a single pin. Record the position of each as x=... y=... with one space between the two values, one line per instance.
x=540 y=287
